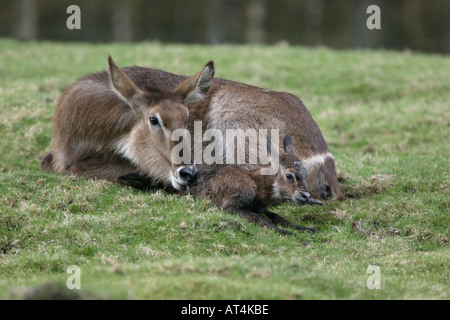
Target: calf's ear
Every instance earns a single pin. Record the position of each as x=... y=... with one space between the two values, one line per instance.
x=197 y=87
x=288 y=145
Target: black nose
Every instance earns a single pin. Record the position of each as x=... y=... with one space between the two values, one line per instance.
x=305 y=195
x=301 y=196
x=188 y=174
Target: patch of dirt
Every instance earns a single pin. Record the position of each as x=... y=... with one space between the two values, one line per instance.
x=6 y=247
x=50 y=291
x=393 y=232
x=357 y=227
x=342 y=176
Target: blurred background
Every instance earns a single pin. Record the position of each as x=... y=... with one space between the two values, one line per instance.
x=420 y=25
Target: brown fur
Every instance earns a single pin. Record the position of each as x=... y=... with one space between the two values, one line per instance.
x=102 y=127
x=232 y=105
x=249 y=194
x=226 y=105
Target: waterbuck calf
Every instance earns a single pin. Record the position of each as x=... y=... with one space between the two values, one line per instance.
x=110 y=124
x=248 y=193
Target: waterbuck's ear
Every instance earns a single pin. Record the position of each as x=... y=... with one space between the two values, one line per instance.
x=123 y=85
x=197 y=87
x=288 y=146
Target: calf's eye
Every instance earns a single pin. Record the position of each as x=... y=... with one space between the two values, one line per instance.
x=289 y=177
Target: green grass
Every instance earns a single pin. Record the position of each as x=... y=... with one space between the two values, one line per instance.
x=385 y=117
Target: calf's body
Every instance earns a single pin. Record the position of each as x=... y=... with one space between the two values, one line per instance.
x=249 y=193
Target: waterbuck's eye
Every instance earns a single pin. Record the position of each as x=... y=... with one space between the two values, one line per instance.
x=154 y=121
x=289 y=177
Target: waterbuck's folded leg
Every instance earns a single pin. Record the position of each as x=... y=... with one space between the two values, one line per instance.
x=279 y=220
x=138 y=181
x=100 y=168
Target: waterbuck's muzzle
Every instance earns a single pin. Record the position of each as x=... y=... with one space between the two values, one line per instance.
x=188 y=174
x=185 y=175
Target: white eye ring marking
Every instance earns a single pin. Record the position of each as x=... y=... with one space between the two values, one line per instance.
x=161 y=124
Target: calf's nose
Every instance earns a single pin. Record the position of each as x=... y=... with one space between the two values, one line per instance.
x=305 y=195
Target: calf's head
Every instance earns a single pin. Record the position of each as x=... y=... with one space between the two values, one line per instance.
x=148 y=144
x=290 y=181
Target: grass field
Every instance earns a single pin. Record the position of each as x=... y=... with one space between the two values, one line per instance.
x=385 y=117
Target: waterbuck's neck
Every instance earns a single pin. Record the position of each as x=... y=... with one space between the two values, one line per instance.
x=265 y=193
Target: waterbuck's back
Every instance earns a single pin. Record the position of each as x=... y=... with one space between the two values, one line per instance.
x=237 y=106
x=89 y=117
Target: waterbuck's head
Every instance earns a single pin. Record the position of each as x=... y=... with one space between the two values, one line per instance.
x=158 y=114
x=290 y=181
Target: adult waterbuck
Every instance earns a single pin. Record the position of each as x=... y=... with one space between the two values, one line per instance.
x=233 y=105
x=112 y=123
